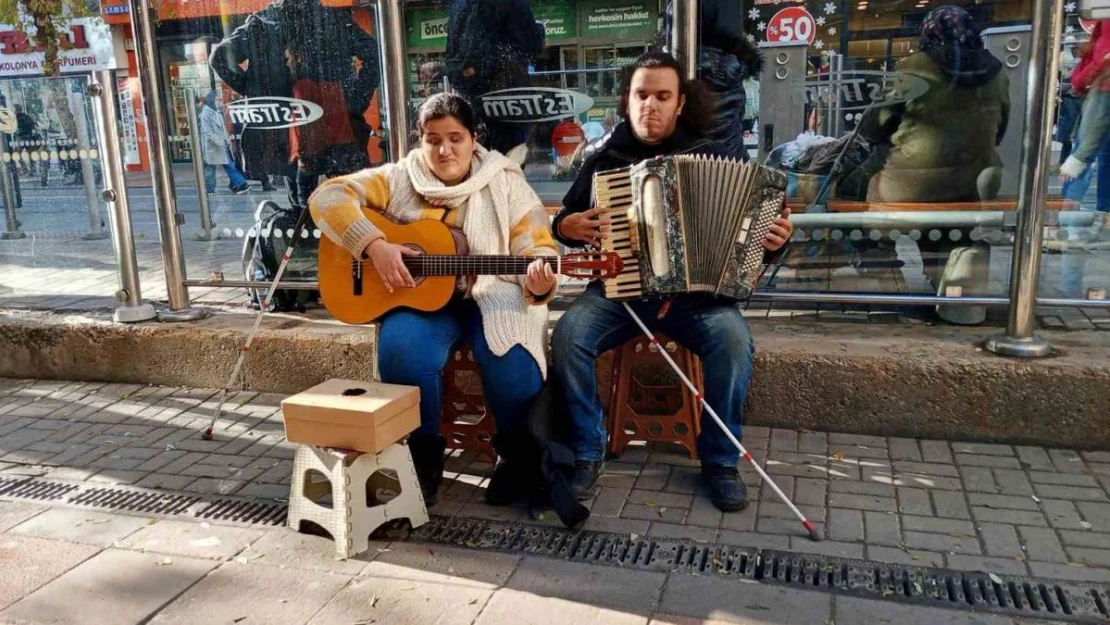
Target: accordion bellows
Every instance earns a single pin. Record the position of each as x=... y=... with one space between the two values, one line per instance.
x=688 y=224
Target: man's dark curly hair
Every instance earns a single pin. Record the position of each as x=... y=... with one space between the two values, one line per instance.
x=697 y=114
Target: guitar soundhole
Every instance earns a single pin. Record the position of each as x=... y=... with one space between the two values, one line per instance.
x=419 y=250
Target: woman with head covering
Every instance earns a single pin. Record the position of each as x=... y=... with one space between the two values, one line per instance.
x=214 y=148
x=941 y=144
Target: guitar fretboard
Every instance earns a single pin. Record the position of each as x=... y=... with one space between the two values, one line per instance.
x=431 y=265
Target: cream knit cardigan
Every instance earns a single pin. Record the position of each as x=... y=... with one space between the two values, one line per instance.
x=497 y=196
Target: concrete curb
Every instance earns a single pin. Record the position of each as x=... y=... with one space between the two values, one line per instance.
x=888 y=380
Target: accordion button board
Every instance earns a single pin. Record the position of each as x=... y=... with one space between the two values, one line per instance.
x=688 y=224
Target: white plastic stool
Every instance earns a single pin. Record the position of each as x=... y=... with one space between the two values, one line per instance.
x=352 y=518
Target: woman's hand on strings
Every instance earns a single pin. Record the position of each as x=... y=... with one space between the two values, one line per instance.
x=388 y=259
x=780 y=232
x=540 y=278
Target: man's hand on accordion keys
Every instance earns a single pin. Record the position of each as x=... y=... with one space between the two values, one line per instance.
x=780 y=232
x=585 y=226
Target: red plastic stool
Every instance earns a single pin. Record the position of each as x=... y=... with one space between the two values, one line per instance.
x=648 y=401
x=464 y=419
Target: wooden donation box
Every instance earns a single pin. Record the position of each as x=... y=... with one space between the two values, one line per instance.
x=349 y=414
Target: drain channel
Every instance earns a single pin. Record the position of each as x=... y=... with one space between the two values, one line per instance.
x=934 y=587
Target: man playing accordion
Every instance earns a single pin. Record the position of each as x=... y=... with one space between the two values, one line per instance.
x=663 y=115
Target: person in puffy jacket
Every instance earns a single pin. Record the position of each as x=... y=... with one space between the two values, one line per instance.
x=490 y=44
x=726 y=58
x=321 y=48
x=252 y=62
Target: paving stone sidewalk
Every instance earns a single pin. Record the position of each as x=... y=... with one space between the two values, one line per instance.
x=967 y=506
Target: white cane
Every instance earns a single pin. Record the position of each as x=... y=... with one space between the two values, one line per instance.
x=815 y=532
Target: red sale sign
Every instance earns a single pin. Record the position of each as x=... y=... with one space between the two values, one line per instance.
x=792 y=24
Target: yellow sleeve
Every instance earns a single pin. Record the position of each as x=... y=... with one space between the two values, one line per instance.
x=337 y=204
x=531 y=236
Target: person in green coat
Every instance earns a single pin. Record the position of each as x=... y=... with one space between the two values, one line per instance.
x=941 y=145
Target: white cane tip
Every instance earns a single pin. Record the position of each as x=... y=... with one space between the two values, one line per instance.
x=817 y=533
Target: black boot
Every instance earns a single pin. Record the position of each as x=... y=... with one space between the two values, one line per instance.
x=517 y=474
x=726 y=489
x=427 y=455
x=586 y=473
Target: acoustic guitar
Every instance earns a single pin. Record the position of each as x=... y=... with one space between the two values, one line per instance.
x=353 y=292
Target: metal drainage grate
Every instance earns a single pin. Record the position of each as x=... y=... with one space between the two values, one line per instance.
x=134 y=501
x=933 y=587
x=9 y=483
x=36 y=490
x=250 y=512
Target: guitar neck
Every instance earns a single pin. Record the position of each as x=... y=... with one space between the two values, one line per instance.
x=432 y=265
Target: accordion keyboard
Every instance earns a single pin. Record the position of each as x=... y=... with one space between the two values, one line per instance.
x=614 y=194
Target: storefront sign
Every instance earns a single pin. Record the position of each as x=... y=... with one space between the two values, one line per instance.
x=274 y=112
x=534 y=104
x=85 y=46
x=861 y=89
x=619 y=19
x=792 y=24
x=426 y=28
x=558 y=20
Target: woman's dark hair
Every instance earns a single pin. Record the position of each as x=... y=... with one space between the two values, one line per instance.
x=699 y=110
x=446 y=105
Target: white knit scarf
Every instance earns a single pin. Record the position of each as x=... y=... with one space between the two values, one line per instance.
x=507 y=319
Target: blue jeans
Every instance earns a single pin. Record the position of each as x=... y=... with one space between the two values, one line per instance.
x=713 y=329
x=237 y=179
x=1077 y=189
x=414 y=346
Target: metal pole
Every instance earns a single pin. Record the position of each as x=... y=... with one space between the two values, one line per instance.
x=6 y=172
x=77 y=105
x=684 y=36
x=1040 y=104
x=198 y=164
x=169 y=220
x=106 y=110
x=391 y=38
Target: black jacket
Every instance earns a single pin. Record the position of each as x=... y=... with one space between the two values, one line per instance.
x=257 y=41
x=492 y=37
x=623 y=149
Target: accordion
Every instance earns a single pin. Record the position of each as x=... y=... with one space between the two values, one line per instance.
x=688 y=224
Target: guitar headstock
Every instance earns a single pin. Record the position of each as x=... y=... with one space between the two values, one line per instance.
x=592 y=265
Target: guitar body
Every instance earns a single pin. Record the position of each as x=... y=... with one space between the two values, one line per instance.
x=368 y=300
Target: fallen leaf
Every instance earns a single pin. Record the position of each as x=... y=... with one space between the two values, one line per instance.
x=994 y=578
x=241 y=618
x=473 y=601
x=650 y=503
x=1085 y=525
x=473 y=544
x=374 y=601
x=211 y=541
x=839 y=457
x=171 y=448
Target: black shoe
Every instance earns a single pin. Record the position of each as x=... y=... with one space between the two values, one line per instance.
x=517 y=474
x=586 y=473
x=427 y=456
x=726 y=490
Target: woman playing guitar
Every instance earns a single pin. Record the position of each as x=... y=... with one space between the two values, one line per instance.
x=453 y=179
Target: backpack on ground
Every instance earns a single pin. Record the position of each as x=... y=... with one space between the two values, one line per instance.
x=263 y=247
